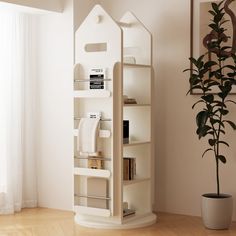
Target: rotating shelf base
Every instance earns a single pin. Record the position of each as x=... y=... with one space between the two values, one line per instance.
x=129 y=223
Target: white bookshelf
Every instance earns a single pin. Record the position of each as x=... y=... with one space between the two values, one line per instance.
x=132 y=79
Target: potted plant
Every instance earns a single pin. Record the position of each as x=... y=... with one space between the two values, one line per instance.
x=213 y=75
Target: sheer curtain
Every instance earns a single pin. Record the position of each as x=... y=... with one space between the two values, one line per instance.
x=17 y=87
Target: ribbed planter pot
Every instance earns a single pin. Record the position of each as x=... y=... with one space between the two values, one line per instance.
x=217 y=210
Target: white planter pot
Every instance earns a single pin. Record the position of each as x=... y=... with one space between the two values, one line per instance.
x=217 y=210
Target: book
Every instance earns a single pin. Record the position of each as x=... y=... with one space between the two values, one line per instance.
x=129 y=168
x=96 y=77
x=125 y=169
x=125 y=131
x=128 y=212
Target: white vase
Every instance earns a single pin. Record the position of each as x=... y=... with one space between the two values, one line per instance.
x=217 y=210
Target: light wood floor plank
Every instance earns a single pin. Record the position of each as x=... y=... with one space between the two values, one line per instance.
x=47 y=222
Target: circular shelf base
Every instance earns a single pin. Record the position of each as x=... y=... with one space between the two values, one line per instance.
x=129 y=223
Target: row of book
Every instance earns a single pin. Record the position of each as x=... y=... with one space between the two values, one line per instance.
x=129 y=168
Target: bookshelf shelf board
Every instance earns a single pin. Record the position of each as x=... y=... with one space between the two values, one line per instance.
x=92 y=172
x=135 y=181
x=137 y=105
x=137 y=65
x=136 y=143
x=92 y=93
x=102 y=133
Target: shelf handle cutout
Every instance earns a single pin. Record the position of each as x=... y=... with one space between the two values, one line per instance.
x=96 y=47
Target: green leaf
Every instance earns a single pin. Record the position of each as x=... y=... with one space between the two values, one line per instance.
x=213 y=84
x=224 y=112
x=214 y=121
x=222 y=158
x=219 y=104
x=218 y=17
x=209 y=149
x=212 y=142
x=193 y=60
x=230 y=101
x=215 y=28
x=220 y=3
x=197 y=62
x=210 y=64
x=200 y=101
x=215 y=7
x=223 y=142
x=221 y=131
x=208 y=98
x=223 y=22
x=194 y=87
x=201 y=118
x=194 y=80
x=200 y=59
x=203 y=131
x=212 y=12
x=224 y=94
x=231 y=123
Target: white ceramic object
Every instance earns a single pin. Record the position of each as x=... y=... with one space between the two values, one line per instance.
x=217 y=210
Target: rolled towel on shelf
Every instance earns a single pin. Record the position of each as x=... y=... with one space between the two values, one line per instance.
x=87 y=135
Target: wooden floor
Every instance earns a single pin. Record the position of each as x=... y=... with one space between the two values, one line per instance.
x=45 y=222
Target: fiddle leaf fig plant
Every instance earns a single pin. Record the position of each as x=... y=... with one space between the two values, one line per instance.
x=213 y=76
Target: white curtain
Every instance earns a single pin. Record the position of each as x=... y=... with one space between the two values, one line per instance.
x=17 y=86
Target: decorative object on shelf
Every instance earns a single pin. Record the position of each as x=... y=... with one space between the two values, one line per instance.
x=126 y=210
x=129 y=59
x=128 y=100
x=212 y=118
x=96 y=162
x=200 y=36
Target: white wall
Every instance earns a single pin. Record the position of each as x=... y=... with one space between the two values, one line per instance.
x=55 y=109
x=81 y=10
x=51 y=5
x=55 y=104
x=181 y=174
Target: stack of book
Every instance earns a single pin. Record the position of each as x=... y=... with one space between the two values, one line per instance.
x=129 y=168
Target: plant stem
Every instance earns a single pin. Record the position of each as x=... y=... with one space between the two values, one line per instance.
x=219 y=129
x=217 y=176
